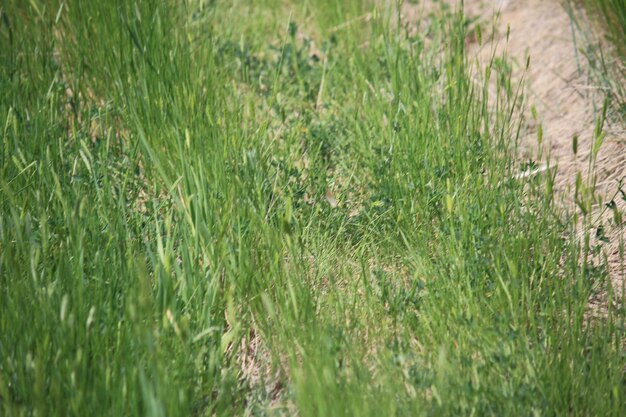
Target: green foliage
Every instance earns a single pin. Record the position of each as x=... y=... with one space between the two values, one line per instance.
x=215 y=209
x=613 y=13
x=608 y=19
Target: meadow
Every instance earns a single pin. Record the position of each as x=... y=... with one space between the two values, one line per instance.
x=282 y=208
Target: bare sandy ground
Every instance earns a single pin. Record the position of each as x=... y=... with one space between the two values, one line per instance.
x=567 y=102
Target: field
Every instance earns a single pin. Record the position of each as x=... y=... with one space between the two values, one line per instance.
x=295 y=208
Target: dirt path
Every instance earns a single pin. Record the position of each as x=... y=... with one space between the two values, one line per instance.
x=567 y=105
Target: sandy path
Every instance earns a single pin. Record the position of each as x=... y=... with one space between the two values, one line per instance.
x=566 y=101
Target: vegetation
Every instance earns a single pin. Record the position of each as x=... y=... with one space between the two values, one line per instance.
x=613 y=15
x=609 y=20
x=244 y=208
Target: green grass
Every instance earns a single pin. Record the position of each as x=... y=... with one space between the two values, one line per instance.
x=613 y=15
x=604 y=45
x=245 y=208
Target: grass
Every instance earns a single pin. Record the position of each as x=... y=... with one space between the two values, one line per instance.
x=604 y=45
x=613 y=15
x=214 y=209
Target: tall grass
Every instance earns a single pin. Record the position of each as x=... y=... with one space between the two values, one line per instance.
x=613 y=15
x=604 y=21
x=208 y=211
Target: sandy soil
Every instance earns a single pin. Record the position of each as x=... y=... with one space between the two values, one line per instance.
x=566 y=100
